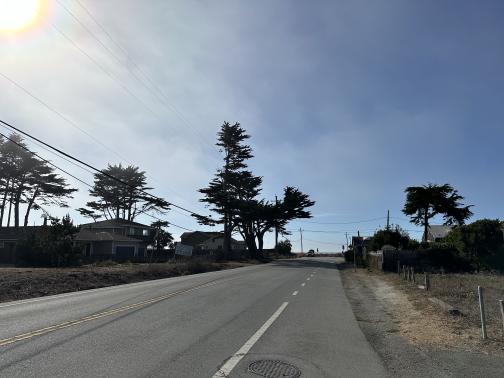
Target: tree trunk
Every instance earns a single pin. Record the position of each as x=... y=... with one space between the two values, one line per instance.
x=16 y=206
x=426 y=225
x=29 y=207
x=10 y=210
x=4 y=201
x=227 y=238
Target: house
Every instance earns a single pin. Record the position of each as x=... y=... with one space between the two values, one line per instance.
x=114 y=238
x=437 y=233
x=10 y=237
x=201 y=240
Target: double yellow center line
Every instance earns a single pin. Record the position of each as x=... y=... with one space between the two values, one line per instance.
x=99 y=315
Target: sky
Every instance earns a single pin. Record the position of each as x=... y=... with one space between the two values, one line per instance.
x=351 y=101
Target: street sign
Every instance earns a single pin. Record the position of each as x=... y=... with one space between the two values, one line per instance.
x=183 y=250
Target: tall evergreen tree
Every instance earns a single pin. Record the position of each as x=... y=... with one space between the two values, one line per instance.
x=233 y=182
x=123 y=197
x=233 y=195
x=425 y=202
x=26 y=180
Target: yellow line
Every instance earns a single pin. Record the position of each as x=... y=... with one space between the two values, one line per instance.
x=71 y=323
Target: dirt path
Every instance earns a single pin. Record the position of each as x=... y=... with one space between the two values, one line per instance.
x=415 y=340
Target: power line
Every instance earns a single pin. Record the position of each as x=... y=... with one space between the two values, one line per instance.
x=354 y=222
x=69 y=121
x=153 y=84
x=61 y=115
x=116 y=79
x=75 y=177
x=45 y=160
x=98 y=170
x=321 y=242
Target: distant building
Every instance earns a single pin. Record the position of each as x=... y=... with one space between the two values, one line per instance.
x=437 y=233
x=201 y=240
x=10 y=237
x=115 y=238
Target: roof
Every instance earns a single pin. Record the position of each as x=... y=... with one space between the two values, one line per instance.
x=439 y=231
x=88 y=235
x=16 y=233
x=114 y=223
x=209 y=234
x=221 y=236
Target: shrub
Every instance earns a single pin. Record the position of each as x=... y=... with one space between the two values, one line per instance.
x=284 y=247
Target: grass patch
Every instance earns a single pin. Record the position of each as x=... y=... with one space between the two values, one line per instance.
x=24 y=283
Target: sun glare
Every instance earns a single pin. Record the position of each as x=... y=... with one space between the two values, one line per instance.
x=17 y=15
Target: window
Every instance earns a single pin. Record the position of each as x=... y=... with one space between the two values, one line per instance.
x=2 y=244
x=145 y=232
x=131 y=231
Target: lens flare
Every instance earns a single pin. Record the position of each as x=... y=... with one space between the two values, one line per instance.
x=16 y=15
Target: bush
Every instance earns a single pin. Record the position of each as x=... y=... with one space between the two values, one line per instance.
x=480 y=244
x=443 y=256
x=284 y=247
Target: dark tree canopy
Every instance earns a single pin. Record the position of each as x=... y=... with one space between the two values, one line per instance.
x=124 y=198
x=425 y=202
x=233 y=195
x=27 y=182
x=233 y=182
x=477 y=241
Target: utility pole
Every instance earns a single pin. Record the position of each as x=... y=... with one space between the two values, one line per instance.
x=354 y=248
x=276 y=226
x=346 y=236
x=388 y=220
x=301 y=232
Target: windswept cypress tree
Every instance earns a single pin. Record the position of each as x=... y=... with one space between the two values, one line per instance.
x=233 y=195
x=233 y=182
x=27 y=182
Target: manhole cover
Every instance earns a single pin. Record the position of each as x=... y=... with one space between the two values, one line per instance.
x=274 y=369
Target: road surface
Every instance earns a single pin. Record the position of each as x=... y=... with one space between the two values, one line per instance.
x=215 y=324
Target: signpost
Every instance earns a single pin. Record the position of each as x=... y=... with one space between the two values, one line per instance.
x=183 y=250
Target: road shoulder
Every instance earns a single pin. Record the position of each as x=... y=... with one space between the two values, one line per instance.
x=409 y=342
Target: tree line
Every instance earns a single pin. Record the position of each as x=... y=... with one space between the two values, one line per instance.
x=28 y=183
x=120 y=192
x=475 y=246
x=27 y=180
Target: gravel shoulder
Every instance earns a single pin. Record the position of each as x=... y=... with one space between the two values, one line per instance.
x=413 y=338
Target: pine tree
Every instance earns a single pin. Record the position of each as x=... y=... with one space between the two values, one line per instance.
x=232 y=183
x=123 y=197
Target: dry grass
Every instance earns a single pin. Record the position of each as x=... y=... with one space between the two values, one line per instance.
x=461 y=292
x=23 y=283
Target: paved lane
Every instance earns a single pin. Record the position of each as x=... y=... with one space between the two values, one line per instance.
x=212 y=324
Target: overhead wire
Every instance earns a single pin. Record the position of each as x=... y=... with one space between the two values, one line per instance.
x=130 y=59
x=163 y=101
x=98 y=170
x=76 y=178
x=69 y=121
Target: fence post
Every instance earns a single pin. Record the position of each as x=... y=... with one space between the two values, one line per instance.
x=413 y=275
x=398 y=267
x=501 y=303
x=482 y=312
x=427 y=281
x=404 y=271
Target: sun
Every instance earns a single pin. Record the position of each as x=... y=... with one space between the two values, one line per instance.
x=17 y=15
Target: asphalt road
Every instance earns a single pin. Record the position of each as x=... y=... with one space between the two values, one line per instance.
x=207 y=325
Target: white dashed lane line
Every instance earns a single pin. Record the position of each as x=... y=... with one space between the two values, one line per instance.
x=295 y=293
x=303 y=284
x=229 y=365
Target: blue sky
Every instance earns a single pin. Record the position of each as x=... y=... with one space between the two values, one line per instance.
x=351 y=101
